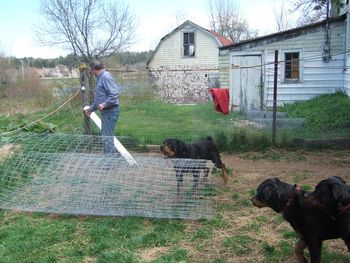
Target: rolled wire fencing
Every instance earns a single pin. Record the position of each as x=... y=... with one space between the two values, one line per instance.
x=70 y=174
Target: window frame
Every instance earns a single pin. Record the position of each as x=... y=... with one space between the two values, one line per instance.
x=285 y=64
x=184 y=45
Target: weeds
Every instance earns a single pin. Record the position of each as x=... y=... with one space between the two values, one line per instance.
x=329 y=111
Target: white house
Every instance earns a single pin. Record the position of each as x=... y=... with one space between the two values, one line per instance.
x=313 y=60
x=186 y=63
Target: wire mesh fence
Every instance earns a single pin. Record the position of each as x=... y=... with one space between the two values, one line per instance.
x=47 y=164
x=70 y=174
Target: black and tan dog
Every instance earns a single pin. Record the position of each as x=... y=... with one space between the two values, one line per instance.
x=312 y=225
x=204 y=149
x=332 y=196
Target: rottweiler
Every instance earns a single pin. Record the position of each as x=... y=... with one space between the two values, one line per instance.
x=311 y=224
x=204 y=149
x=332 y=195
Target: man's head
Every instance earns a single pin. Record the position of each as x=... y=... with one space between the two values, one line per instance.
x=96 y=66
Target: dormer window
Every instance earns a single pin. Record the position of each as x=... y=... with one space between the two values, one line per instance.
x=189 y=47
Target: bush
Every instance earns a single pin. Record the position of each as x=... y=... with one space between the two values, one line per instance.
x=329 y=111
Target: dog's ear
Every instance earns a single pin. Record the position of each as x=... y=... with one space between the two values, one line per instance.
x=337 y=191
x=340 y=179
x=276 y=180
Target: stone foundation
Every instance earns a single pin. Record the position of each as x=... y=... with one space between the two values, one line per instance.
x=183 y=84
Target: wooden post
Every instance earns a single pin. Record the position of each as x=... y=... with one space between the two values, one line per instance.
x=275 y=76
x=85 y=88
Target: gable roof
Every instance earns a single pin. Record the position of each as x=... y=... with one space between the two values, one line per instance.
x=291 y=33
x=221 y=40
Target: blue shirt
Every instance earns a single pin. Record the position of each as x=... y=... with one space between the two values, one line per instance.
x=106 y=91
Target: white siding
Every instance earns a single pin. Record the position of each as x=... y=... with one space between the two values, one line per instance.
x=347 y=57
x=316 y=77
x=224 y=69
x=170 y=52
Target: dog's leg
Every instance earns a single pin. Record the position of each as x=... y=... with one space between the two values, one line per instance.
x=315 y=251
x=215 y=157
x=299 y=251
x=206 y=173
x=224 y=173
x=179 y=183
x=196 y=176
x=347 y=243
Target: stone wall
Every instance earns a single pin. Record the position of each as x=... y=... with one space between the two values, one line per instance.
x=183 y=84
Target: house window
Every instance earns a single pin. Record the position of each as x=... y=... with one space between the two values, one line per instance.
x=189 y=49
x=291 y=68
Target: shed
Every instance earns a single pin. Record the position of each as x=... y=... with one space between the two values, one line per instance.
x=313 y=60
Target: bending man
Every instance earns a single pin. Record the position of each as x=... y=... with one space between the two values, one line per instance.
x=107 y=102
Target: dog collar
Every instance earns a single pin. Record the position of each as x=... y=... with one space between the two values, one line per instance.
x=295 y=193
x=342 y=211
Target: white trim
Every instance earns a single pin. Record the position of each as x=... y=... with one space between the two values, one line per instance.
x=282 y=57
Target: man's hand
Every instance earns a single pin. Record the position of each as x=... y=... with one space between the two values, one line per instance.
x=87 y=113
x=101 y=107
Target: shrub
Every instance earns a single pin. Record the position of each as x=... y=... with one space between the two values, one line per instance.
x=328 y=111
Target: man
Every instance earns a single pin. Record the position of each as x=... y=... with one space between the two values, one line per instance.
x=107 y=102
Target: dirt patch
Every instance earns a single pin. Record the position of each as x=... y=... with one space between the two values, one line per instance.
x=7 y=150
x=301 y=167
x=153 y=253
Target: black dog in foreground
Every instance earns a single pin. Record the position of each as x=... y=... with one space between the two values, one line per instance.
x=203 y=149
x=332 y=196
x=312 y=225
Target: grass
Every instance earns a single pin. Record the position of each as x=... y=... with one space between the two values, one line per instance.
x=148 y=121
x=325 y=112
x=237 y=233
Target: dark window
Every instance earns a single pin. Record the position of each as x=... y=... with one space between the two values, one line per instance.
x=292 y=71
x=189 y=49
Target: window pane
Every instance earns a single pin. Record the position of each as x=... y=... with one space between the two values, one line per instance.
x=186 y=38
x=295 y=68
x=191 y=38
x=188 y=44
x=291 y=70
x=186 y=50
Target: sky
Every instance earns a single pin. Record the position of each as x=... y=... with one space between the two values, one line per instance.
x=155 y=19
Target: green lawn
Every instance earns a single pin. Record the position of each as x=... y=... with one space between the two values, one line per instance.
x=237 y=233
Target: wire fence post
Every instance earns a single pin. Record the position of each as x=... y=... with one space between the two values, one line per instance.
x=275 y=75
x=85 y=87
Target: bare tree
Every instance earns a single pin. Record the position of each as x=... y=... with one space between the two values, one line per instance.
x=226 y=19
x=87 y=28
x=6 y=68
x=281 y=14
x=312 y=11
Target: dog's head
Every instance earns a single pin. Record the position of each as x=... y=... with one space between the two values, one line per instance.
x=330 y=195
x=173 y=148
x=272 y=193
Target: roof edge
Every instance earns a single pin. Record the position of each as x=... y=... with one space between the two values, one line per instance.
x=338 y=18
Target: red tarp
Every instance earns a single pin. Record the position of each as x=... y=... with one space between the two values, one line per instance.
x=221 y=99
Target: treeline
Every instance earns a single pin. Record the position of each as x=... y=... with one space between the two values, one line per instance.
x=71 y=61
